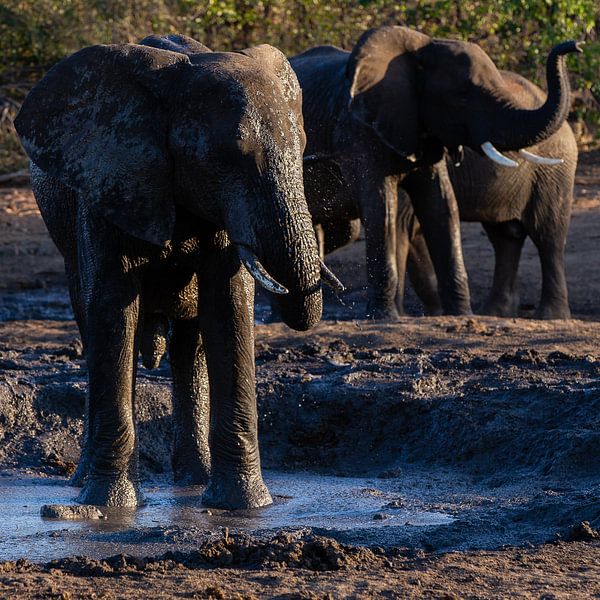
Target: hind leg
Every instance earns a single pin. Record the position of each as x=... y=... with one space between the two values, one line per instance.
x=191 y=407
x=507 y=240
x=554 y=302
x=422 y=276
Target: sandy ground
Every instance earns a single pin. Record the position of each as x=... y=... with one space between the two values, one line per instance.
x=491 y=422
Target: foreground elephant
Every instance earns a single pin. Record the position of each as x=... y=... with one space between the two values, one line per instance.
x=391 y=107
x=512 y=203
x=160 y=169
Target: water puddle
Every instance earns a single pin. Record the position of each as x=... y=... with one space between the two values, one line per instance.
x=174 y=519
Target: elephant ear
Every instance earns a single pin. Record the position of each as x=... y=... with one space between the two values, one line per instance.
x=274 y=60
x=95 y=122
x=382 y=70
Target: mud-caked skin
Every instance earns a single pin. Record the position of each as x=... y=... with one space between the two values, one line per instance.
x=391 y=108
x=158 y=168
x=512 y=203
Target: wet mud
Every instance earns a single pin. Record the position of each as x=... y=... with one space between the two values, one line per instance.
x=390 y=449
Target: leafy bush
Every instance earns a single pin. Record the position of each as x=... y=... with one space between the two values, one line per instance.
x=517 y=34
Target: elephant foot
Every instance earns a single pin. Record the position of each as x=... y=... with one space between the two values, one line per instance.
x=502 y=305
x=190 y=468
x=118 y=491
x=553 y=311
x=497 y=310
x=433 y=311
x=382 y=313
x=236 y=492
x=458 y=311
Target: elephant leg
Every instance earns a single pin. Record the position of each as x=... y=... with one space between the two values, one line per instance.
x=422 y=275
x=225 y=309
x=378 y=200
x=83 y=465
x=320 y=235
x=191 y=405
x=110 y=291
x=550 y=243
x=507 y=240
x=435 y=205
x=404 y=223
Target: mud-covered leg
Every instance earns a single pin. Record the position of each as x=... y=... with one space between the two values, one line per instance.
x=547 y=221
x=404 y=221
x=436 y=208
x=507 y=240
x=226 y=307
x=422 y=275
x=191 y=405
x=378 y=206
x=110 y=293
x=83 y=465
x=554 y=302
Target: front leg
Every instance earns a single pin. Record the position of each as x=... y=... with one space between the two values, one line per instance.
x=110 y=294
x=378 y=198
x=226 y=314
x=436 y=208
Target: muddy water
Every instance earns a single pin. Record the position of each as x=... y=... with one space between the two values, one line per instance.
x=174 y=518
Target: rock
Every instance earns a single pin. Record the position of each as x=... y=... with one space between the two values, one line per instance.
x=381 y=516
x=582 y=533
x=71 y=512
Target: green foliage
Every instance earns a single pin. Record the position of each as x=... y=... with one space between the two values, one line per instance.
x=517 y=34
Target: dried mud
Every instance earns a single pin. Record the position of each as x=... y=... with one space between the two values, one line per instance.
x=492 y=423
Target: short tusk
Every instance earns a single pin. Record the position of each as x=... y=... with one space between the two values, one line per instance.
x=259 y=273
x=540 y=160
x=496 y=156
x=331 y=280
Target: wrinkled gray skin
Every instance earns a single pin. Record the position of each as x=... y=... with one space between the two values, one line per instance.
x=388 y=109
x=154 y=165
x=531 y=200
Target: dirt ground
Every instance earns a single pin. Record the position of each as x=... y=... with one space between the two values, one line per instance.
x=494 y=423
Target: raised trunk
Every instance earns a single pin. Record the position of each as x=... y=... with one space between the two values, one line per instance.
x=515 y=128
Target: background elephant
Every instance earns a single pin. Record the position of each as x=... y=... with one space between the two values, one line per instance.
x=159 y=170
x=391 y=107
x=512 y=203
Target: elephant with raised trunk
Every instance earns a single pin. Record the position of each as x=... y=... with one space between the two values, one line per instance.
x=529 y=199
x=169 y=177
x=391 y=107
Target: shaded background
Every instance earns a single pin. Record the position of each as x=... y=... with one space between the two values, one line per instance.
x=517 y=34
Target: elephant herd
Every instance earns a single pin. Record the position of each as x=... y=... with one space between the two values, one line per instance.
x=172 y=177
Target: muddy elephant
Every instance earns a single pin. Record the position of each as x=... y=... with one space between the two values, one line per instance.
x=392 y=107
x=170 y=178
x=532 y=199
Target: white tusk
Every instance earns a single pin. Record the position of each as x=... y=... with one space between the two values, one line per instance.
x=259 y=273
x=331 y=280
x=540 y=160
x=496 y=156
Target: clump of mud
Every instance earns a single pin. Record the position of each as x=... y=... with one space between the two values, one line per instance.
x=295 y=550
x=76 y=512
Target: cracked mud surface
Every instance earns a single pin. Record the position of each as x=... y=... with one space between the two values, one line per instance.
x=435 y=457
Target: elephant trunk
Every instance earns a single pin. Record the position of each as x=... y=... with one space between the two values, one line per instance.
x=516 y=128
x=280 y=252
x=292 y=256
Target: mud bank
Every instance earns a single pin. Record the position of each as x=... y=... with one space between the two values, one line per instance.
x=492 y=424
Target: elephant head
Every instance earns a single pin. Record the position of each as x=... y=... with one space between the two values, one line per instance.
x=137 y=129
x=413 y=91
